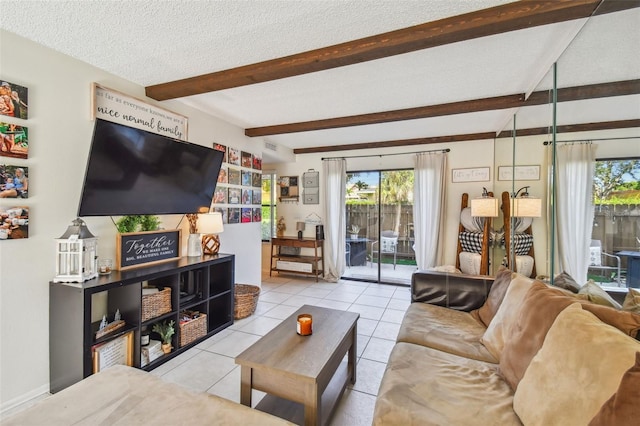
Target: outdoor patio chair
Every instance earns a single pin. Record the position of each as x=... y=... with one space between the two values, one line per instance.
x=388 y=245
x=597 y=258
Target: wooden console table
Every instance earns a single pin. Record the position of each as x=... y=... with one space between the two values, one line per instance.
x=312 y=264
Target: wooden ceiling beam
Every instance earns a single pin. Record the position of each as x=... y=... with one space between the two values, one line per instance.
x=619 y=88
x=568 y=128
x=486 y=104
x=573 y=128
x=496 y=20
x=397 y=143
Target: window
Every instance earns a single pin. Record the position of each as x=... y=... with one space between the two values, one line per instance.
x=616 y=223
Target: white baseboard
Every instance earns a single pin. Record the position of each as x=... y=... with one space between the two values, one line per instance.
x=24 y=401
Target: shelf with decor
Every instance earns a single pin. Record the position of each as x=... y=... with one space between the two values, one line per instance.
x=200 y=287
x=286 y=256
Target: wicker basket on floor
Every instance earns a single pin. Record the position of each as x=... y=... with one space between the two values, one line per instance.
x=246 y=300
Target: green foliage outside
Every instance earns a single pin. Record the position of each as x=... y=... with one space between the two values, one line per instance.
x=617 y=182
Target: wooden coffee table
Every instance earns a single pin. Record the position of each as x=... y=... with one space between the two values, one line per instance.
x=307 y=370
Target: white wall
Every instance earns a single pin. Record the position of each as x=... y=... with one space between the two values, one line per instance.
x=60 y=131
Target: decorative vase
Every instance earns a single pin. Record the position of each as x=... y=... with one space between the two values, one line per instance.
x=166 y=348
x=354 y=236
x=194 y=246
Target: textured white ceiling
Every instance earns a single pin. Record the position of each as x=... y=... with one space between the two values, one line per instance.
x=150 y=42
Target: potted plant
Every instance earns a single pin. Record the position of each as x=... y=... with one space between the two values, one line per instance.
x=166 y=331
x=134 y=223
x=354 y=231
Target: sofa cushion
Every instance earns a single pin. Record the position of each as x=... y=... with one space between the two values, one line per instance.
x=540 y=307
x=566 y=281
x=623 y=408
x=597 y=295
x=500 y=325
x=127 y=396
x=486 y=313
x=424 y=386
x=448 y=330
x=581 y=356
x=632 y=301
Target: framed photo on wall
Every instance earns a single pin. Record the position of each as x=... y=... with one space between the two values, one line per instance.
x=15 y=100
x=14 y=141
x=14 y=181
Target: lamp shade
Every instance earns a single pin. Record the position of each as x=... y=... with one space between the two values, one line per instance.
x=526 y=207
x=210 y=223
x=300 y=226
x=484 y=207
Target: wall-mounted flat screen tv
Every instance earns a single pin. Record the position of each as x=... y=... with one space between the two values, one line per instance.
x=131 y=171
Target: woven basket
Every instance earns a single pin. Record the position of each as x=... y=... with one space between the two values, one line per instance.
x=246 y=300
x=193 y=330
x=154 y=305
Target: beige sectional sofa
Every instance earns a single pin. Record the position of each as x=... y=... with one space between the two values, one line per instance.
x=474 y=351
x=127 y=396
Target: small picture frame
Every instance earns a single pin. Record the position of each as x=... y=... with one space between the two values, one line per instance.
x=223 y=176
x=246 y=215
x=234 y=196
x=223 y=148
x=118 y=351
x=257 y=214
x=247 y=196
x=519 y=172
x=234 y=176
x=18 y=96
x=234 y=156
x=14 y=141
x=246 y=159
x=234 y=215
x=474 y=174
x=220 y=195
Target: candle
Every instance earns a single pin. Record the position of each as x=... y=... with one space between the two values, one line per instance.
x=304 y=324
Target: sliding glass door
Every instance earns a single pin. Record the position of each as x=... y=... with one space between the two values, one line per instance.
x=379 y=210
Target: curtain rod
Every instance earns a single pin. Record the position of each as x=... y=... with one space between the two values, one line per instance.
x=591 y=140
x=386 y=155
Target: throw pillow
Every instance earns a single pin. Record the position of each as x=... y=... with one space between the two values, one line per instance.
x=540 y=307
x=500 y=284
x=578 y=368
x=566 y=281
x=623 y=408
x=505 y=317
x=632 y=301
x=596 y=294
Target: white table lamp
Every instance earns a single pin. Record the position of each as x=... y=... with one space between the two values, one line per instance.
x=210 y=226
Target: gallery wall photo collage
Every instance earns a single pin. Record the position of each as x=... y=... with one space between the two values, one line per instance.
x=238 y=194
x=14 y=172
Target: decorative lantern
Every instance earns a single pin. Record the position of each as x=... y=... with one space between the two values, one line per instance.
x=76 y=254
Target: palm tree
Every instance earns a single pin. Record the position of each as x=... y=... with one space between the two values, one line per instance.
x=397 y=188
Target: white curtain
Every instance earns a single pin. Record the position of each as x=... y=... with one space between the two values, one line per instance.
x=575 y=169
x=335 y=226
x=429 y=192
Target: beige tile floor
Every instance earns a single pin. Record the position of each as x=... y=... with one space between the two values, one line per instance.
x=210 y=365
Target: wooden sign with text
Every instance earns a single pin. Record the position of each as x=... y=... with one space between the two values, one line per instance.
x=111 y=105
x=136 y=249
